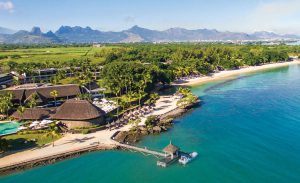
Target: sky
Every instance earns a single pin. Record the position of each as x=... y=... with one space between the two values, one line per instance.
x=280 y=16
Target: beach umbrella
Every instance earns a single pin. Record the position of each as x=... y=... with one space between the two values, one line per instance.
x=33 y=125
x=22 y=128
x=35 y=122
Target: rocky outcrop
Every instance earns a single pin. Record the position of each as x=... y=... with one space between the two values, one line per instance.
x=156 y=125
x=135 y=134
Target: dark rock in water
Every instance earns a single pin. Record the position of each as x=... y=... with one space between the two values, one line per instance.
x=144 y=132
x=121 y=136
x=133 y=137
x=143 y=128
x=164 y=128
x=166 y=121
x=157 y=129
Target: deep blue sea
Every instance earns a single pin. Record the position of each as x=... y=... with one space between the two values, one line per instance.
x=246 y=130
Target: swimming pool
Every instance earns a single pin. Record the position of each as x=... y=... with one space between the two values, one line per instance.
x=8 y=127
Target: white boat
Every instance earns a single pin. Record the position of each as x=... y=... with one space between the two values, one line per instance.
x=186 y=158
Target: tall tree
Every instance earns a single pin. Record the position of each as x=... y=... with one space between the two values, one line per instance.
x=54 y=94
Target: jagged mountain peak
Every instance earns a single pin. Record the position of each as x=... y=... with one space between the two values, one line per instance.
x=78 y=34
x=36 y=31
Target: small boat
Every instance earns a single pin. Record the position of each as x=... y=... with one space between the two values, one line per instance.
x=186 y=158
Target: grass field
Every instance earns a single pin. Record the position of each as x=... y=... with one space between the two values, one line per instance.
x=62 y=54
x=22 y=141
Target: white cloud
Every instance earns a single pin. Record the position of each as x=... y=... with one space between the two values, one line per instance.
x=275 y=16
x=277 y=8
x=7 y=6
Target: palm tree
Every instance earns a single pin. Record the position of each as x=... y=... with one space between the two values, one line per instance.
x=53 y=132
x=16 y=81
x=33 y=101
x=54 y=94
x=3 y=144
x=153 y=98
x=21 y=110
x=5 y=103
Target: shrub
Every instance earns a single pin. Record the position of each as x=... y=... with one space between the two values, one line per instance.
x=85 y=131
x=151 y=121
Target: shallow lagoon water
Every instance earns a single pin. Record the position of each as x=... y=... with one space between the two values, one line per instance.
x=246 y=130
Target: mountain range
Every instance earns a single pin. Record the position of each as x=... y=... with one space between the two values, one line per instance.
x=77 y=34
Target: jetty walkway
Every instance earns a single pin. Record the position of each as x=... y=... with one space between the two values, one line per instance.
x=142 y=150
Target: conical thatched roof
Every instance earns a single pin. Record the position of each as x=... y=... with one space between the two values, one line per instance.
x=77 y=110
x=170 y=149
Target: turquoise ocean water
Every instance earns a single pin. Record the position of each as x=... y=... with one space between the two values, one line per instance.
x=246 y=130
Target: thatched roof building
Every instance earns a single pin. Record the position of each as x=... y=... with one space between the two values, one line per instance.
x=23 y=93
x=172 y=150
x=79 y=113
x=32 y=114
x=78 y=110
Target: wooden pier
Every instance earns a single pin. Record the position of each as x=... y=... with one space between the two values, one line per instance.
x=169 y=155
x=142 y=150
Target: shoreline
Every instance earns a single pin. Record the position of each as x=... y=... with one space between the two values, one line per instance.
x=70 y=142
x=165 y=106
x=232 y=73
x=52 y=158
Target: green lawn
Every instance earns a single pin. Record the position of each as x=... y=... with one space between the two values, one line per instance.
x=62 y=54
x=18 y=141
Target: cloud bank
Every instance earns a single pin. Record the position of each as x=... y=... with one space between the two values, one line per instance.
x=7 y=6
x=278 y=15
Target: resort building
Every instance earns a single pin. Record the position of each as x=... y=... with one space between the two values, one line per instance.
x=23 y=93
x=45 y=75
x=6 y=80
x=32 y=114
x=79 y=113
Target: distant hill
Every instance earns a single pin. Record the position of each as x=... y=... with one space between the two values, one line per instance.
x=77 y=34
x=35 y=36
x=4 y=30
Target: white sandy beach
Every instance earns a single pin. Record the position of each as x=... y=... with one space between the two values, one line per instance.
x=232 y=73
